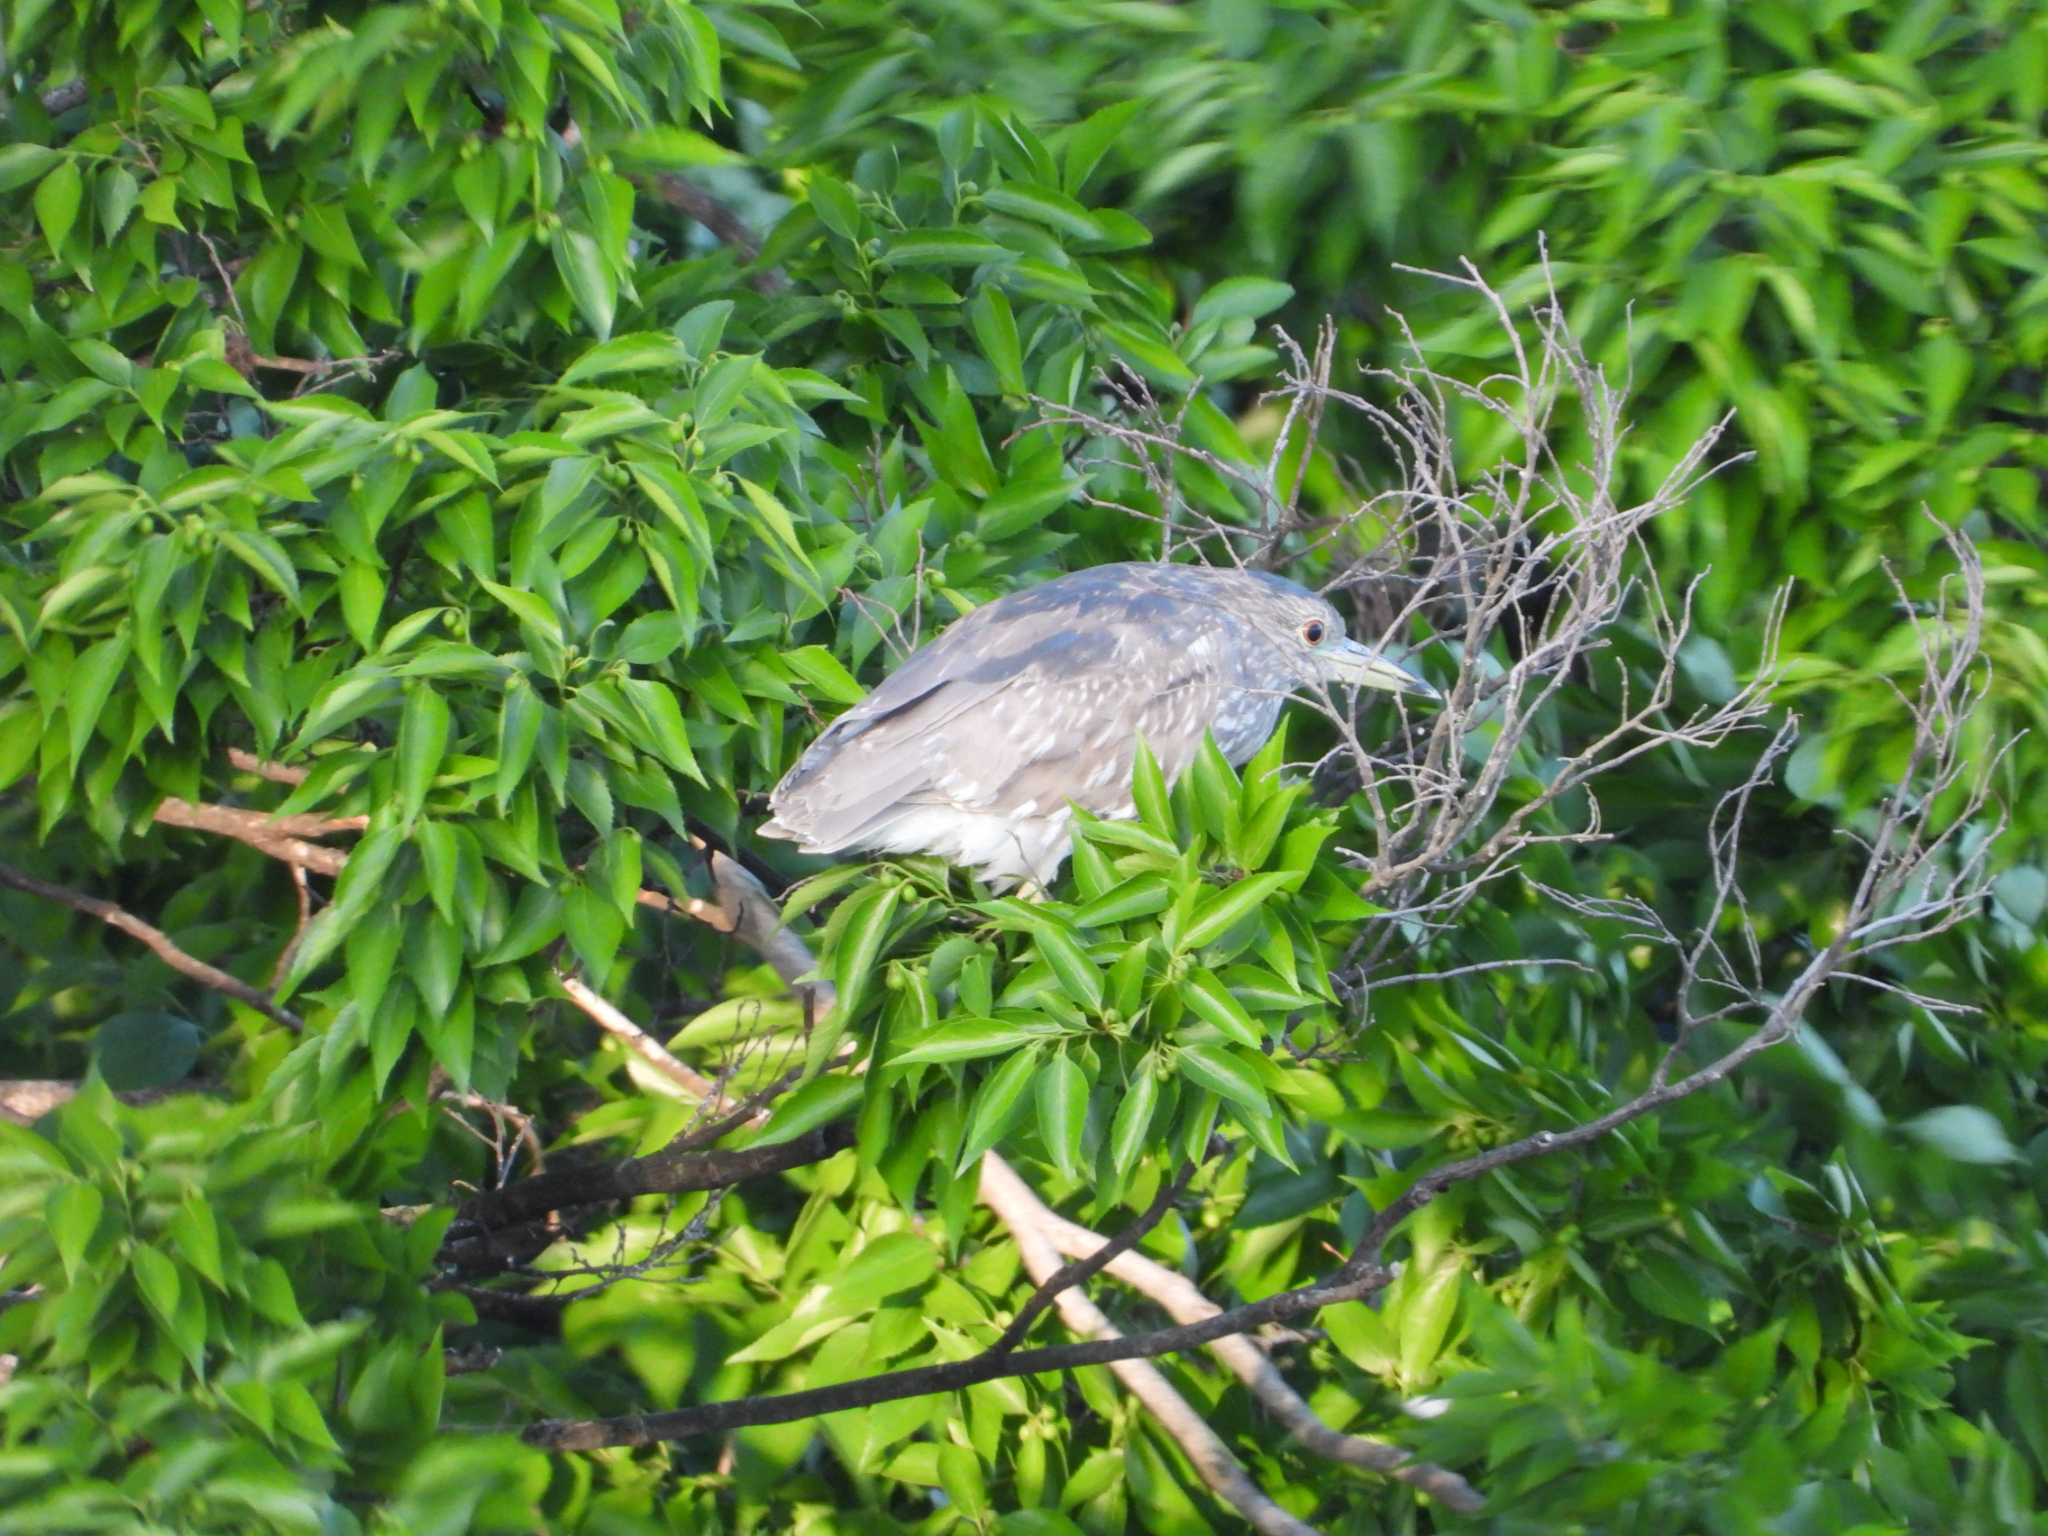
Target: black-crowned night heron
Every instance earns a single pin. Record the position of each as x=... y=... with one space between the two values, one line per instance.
x=979 y=745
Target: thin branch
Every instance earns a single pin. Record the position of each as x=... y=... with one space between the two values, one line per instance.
x=1225 y=1475
x=25 y=1100
x=251 y=827
x=725 y=225
x=659 y=1173
x=922 y=1381
x=1185 y=1303
x=155 y=939
x=263 y=768
x=635 y=1039
x=1079 y=1271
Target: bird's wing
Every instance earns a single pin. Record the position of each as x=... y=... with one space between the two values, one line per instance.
x=900 y=744
x=1036 y=709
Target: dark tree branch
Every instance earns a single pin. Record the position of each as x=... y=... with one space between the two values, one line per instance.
x=1350 y=1283
x=158 y=942
x=1080 y=1271
x=726 y=226
x=25 y=1100
x=666 y=1172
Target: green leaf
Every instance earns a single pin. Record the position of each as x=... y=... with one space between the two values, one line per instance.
x=996 y=1105
x=361 y=589
x=1132 y=1125
x=1224 y=910
x=1042 y=205
x=422 y=743
x=821 y=1101
x=1024 y=503
x=960 y=1476
x=433 y=961
x=528 y=608
x=519 y=721
x=370 y=953
x=1963 y=1133
x=197 y=1236
x=943 y=248
x=1149 y=354
x=1089 y=140
x=1139 y=896
x=73 y=1213
x=1423 y=1319
x=673 y=148
x=145 y=1048
x=93 y=677
x=264 y=287
x=995 y=328
x=863 y=931
x=588 y=277
x=591 y=920
x=967 y=1039
x=1240 y=298
x=359 y=884
x=818 y=667
x=1062 y=1095
x=156 y=1276
x=639 y=352
x=21 y=164
x=1216 y=1070
x=836 y=207
x=1079 y=976
x=1207 y=997
x=265 y=556
x=1148 y=791
x=887 y=1266
x=656 y=705
x=57 y=198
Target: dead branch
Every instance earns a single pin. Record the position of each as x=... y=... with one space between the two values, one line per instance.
x=1006 y=1195
x=726 y=226
x=1082 y=1269
x=658 y=1173
x=253 y=828
x=1184 y=1303
x=635 y=1039
x=263 y=768
x=25 y=1100
x=155 y=939
x=1523 y=576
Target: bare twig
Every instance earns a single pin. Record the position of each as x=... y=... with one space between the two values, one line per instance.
x=1185 y=1303
x=635 y=1039
x=155 y=939
x=263 y=768
x=726 y=226
x=1004 y=1193
x=1083 y=1269
x=291 y=948
x=659 y=1173
x=253 y=828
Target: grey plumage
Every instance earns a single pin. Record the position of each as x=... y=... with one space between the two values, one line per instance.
x=975 y=746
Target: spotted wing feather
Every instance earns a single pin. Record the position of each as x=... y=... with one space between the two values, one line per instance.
x=1028 y=705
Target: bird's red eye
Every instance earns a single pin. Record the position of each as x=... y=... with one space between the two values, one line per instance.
x=1312 y=631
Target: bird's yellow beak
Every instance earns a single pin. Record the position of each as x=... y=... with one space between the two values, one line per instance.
x=1363 y=667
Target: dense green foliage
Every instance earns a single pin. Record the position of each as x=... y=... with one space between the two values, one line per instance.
x=371 y=403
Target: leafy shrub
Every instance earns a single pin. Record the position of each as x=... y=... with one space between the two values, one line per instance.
x=488 y=437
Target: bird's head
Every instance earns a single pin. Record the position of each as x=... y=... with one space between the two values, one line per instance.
x=1310 y=635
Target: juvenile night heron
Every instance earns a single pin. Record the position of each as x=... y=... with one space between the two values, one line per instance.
x=979 y=745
